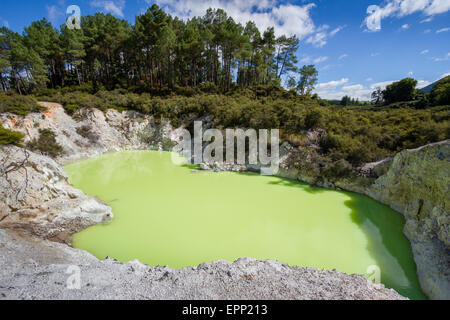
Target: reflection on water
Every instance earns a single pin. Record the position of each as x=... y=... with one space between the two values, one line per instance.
x=166 y=214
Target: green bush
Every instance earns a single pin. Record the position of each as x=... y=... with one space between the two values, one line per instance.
x=10 y=137
x=441 y=94
x=403 y=90
x=338 y=169
x=18 y=104
x=313 y=119
x=46 y=143
x=330 y=142
x=87 y=133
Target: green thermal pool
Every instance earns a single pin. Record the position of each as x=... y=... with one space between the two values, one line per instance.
x=166 y=214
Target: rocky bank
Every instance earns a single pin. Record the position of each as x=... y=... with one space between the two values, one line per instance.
x=38 y=269
x=39 y=205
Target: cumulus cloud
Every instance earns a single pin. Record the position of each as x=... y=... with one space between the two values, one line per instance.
x=425 y=51
x=332 y=84
x=335 y=90
x=114 y=6
x=401 y=8
x=287 y=18
x=405 y=27
x=343 y=56
x=382 y=84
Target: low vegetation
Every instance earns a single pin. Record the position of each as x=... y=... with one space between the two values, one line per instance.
x=46 y=144
x=356 y=134
x=10 y=137
x=18 y=104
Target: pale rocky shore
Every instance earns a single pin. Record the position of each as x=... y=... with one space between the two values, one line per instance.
x=32 y=268
x=39 y=207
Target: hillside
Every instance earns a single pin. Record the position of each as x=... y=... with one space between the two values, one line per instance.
x=431 y=87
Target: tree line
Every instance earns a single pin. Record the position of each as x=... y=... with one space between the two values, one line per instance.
x=158 y=51
x=405 y=91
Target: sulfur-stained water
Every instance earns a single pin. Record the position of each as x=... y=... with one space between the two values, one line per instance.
x=168 y=214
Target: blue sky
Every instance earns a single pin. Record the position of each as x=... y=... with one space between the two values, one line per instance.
x=414 y=38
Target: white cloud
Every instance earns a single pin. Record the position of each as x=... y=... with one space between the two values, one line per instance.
x=405 y=27
x=443 y=30
x=320 y=38
x=335 y=31
x=335 y=90
x=382 y=84
x=288 y=19
x=444 y=75
x=429 y=19
x=53 y=13
x=308 y=59
x=320 y=60
x=343 y=56
x=353 y=87
x=427 y=31
x=114 y=6
x=401 y=8
x=332 y=84
x=422 y=84
x=445 y=58
x=410 y=74
x=425 y=51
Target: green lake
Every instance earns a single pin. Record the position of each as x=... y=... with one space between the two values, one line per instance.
x=168 y=214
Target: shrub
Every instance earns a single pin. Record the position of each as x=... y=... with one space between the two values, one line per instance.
x=441 y=94
x=338 y=169
x=329 y=142
x=10 y=137
x=18 y=104
x=87 y=133
x=313 y=119
x=403 y=90
x=46 y=143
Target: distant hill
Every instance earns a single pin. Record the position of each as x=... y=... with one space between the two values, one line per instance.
x=430 y=88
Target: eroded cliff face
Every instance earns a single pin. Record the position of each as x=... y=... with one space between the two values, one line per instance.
x=91 y=132
x=36 y=197
x=417 y=184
